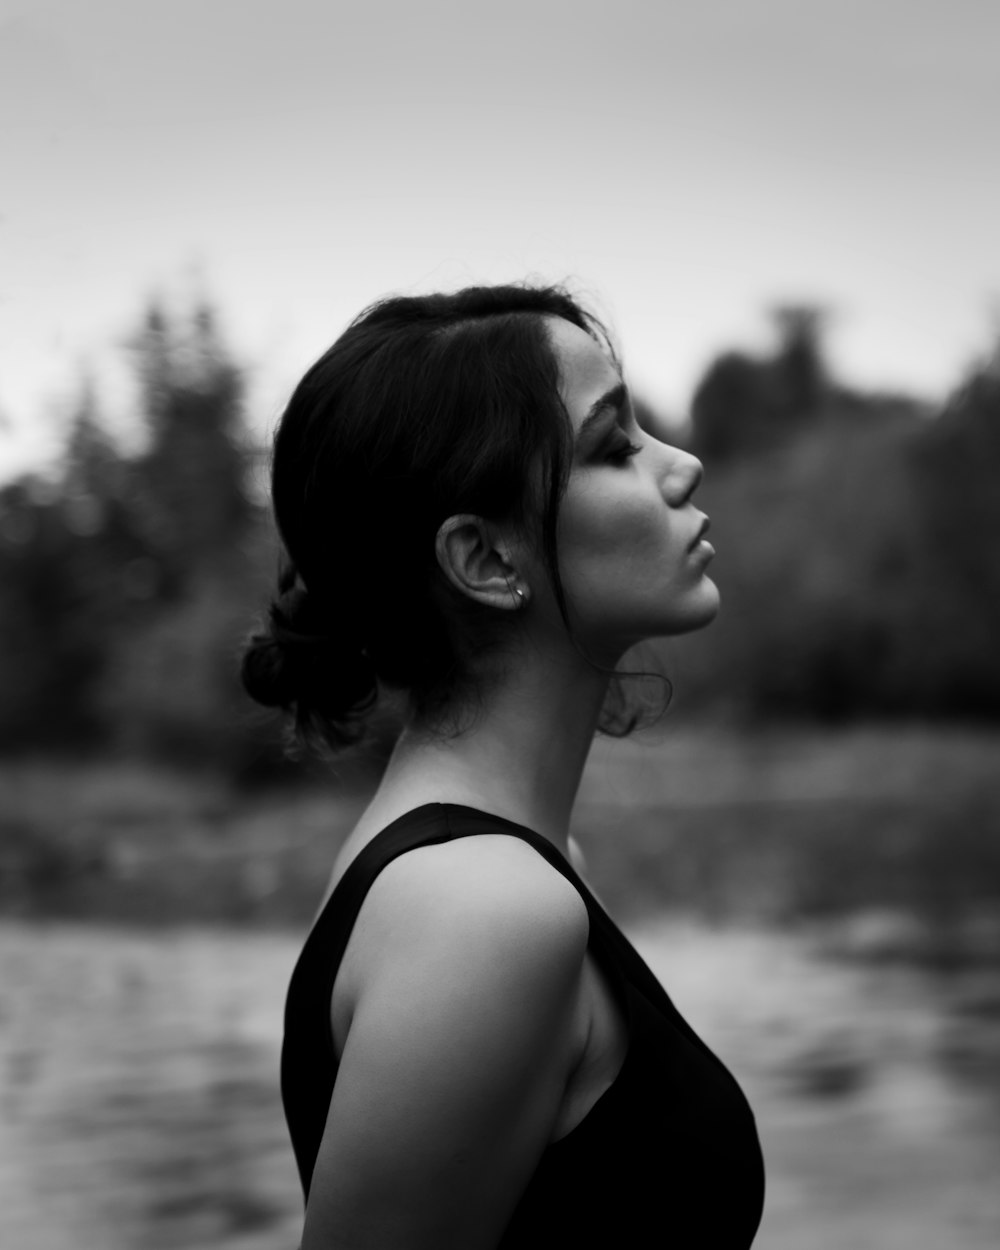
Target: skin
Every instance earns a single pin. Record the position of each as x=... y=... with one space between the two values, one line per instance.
x=472 y=1026
x=626 y=521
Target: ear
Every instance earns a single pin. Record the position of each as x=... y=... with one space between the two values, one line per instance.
x=476 y=559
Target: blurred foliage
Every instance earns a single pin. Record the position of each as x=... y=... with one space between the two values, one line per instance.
x=857 y=538
x=785 y=824
x=129 y=579
x=744 y=406
x=857 y=535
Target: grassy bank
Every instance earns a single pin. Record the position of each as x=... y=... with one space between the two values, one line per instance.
x=772 y=825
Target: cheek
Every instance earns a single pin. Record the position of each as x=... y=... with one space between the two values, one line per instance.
x=616 y=533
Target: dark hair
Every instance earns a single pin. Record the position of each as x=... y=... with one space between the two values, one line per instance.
x=426 y=406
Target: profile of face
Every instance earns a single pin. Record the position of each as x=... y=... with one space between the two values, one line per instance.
x=632 y=555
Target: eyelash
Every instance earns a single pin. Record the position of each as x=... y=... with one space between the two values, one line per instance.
x=622 y=452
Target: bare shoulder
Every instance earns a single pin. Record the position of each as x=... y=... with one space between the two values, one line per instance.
x=480 y=907
x=492 y=887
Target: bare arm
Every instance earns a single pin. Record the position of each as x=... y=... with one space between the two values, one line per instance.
x=464 y=1029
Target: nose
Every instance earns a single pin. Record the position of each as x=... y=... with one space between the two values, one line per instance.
x=682 y=474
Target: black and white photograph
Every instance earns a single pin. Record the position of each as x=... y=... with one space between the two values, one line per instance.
x=499 y=625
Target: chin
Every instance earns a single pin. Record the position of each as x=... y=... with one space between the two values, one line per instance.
x=610 y=640
x=702 y=611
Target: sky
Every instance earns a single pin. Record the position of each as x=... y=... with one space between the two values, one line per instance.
x=685 y=166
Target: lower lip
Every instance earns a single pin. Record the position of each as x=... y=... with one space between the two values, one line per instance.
x=703 y=548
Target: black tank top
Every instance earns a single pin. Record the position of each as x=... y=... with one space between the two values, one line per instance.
x=667 y=1156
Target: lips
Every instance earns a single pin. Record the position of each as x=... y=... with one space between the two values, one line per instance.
x=701 y=532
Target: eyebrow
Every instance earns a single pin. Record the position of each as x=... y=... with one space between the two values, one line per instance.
x=612 y=400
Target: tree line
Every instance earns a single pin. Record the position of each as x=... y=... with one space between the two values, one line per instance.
x=858 y=536
x=859 y=540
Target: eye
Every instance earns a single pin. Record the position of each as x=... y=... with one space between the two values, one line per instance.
x=621 y=450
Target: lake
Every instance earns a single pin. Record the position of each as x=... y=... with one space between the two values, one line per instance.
x=140 y=1110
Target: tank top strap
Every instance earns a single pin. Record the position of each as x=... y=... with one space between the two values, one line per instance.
x=618 y=958
x=428 y=825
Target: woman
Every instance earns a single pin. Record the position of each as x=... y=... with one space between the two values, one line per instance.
x=474 y=1056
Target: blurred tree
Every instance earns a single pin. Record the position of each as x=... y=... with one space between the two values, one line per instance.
x=128 y=581
x=800 y=383
x=46 y=668
x=62 y=544
x=745 y=405
x=858 y=565
x=729 y=408
x=207 y=550
x=956 y=464
x=187 y=490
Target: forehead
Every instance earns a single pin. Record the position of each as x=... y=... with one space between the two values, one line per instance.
x=586 y=372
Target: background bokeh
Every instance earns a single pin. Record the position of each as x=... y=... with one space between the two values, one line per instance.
x=787 y=213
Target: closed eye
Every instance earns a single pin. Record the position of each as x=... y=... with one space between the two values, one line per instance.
x=619 y=452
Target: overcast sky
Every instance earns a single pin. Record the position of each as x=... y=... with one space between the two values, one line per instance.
x=686 y=164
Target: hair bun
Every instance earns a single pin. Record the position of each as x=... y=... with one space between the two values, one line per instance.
x=267 y=675
x=301 y=662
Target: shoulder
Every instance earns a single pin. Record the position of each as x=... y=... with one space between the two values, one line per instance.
x=492 y=886
x=484 y=909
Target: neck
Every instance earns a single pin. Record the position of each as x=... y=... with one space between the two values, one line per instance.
x=520 y=756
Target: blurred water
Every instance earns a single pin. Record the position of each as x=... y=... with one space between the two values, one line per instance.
x=139 y=1105
x=875 y=1085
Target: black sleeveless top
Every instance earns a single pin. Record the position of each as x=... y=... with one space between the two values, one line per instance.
x=667 y=1156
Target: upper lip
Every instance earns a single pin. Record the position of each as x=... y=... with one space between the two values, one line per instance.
x=701 y=531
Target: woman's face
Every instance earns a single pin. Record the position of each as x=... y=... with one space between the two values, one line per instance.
x=631 y=553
